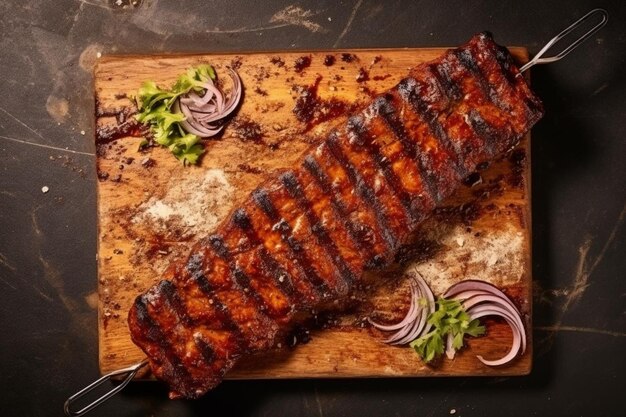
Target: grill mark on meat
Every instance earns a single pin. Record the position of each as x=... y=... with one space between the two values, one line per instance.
x=226 y=318
x=408 y=90
x=171 y=295
x=467 y=60
x=470 y=129
x=194 y=267
x=497 y=69
x=153 y=333
x=207 y=351
x=296 y=223
x=388 y=112
x=337 y=230
x=246 y=258
x=362 y=138
x=177 y=369
x=281 y=277
x=165 y=305
x=370 y=173
x=450 y=114
x=363 y=218
x=292 y=185
x=364 y=215
x=300 y=254
x=304 y=292
x=404 y=167
x=354 y=229
x=437 y=159
x=518 y=84
x=265 y=203
x=497 y=124
x=238 y=276
x=484 y=130
x=262 y=199
x=363 y=190
x=441 y=72
x=257 y=329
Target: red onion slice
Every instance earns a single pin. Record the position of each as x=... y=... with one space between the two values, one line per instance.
x=481 y=299
x=414 y=323
x=424 y=311
x=505 y=313
x=412 y=331
x=203 y=133
x=492 y=301
x=233 y=100
x=476 y=285
x=518 y=336
x=192 y=126
x=399 y=337
x=203 y=113
x=430 y=299
x=408 y=318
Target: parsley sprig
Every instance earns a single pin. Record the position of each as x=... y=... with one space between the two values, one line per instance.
x=155 y=110
x=449 y=318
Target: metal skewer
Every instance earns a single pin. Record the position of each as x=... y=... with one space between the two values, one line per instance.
x=131 y=371
x=538 y=59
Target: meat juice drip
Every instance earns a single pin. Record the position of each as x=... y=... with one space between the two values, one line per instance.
x=260 y=91
x=278 y=61
x=517 y=159
x=249 y=169
x=347 y=57
x=465 y=213
x=248 y=130
x=417 y=251
x=311 y=110
x=235 y=63
x=109 y=133
x=302 y=63
x=381 y=77
x=362 y=76
x=472 y=179
x=126 y=125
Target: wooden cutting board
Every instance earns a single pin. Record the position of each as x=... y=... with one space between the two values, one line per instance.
x=151 y=209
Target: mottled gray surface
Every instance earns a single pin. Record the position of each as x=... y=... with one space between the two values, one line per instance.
x=48 y=347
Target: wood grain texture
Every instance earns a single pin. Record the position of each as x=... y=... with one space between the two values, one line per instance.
x=151 y=209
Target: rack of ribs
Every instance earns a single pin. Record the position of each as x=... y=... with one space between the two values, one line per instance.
x=304 y=238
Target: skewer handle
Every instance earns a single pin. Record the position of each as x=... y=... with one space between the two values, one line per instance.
x=130 y=373
x=540 y=59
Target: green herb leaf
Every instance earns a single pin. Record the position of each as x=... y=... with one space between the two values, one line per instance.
x=155 y=110
x=449 y=318
x=142 y=144
x=193 y=78
x=187 y=155
x=475 y=328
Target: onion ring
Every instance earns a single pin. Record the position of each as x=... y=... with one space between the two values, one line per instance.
x=204 y=114
x=480 y=299
x=414 y=323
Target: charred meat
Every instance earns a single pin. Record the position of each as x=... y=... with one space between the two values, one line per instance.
x=305 y=238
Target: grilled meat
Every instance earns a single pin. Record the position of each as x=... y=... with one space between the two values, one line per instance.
x=306 y=237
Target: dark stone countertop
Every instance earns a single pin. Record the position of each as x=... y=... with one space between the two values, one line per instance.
x=49 y=348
